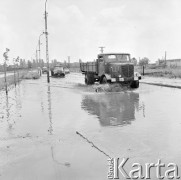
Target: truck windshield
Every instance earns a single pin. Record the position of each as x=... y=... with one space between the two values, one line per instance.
x=117 y=57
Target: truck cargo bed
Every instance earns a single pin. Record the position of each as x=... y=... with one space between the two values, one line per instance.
x=88 y=67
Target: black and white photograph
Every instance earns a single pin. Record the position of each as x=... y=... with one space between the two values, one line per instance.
x=90 y=89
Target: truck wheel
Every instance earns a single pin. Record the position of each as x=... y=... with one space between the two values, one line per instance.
x=89 y=79
x=104 y=80
x=135 y=84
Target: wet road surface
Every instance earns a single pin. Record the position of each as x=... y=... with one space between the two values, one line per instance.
x=38 y=125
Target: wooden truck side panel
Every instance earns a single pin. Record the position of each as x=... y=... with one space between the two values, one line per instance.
x=88 y=67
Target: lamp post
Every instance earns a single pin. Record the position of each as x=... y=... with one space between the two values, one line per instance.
x=36 y=56
x=39 y=43
x=46 y=35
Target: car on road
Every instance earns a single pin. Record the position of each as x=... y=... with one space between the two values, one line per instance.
x=58 y=71
x=44 y=70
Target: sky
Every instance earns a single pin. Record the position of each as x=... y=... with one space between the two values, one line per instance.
x=77 y=28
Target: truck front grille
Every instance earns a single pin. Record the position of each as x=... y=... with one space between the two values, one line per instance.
x=127 y=70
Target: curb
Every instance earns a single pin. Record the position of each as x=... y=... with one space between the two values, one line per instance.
x=162 y=85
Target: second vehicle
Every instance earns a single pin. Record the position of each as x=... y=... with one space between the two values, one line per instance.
x=58 y=71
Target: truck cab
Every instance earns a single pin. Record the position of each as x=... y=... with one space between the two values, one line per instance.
x=58 y=71
x=115 y=66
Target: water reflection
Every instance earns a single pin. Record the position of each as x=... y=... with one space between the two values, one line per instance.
x=143 y=107
x=42 y=105
x=42 y=100
x=18 y=101
x=112 y=109
x=12 y=109
x=8 y=113
x=50 y=110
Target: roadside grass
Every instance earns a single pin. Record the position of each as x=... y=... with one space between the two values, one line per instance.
x=160 y=72
x=25 y=74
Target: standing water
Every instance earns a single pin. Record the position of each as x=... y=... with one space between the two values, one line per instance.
x=39 y=121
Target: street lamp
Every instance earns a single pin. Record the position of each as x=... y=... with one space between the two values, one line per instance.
x=36 y=55
x=46 y=35
x=39 y=43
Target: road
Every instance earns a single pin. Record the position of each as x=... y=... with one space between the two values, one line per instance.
x=38 y=125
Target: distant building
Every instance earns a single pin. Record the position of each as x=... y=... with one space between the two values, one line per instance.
x=169 y=62
x=160 y=62
x=173 y=62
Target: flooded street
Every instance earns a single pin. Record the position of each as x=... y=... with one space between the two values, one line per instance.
x=38 y=125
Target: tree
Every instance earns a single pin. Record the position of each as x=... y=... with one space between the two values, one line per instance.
x=54 y=62
x=144 y=61
x=21 y=63
x=29 y=64
x=34 y=63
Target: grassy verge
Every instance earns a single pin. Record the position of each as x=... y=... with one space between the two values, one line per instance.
x=160 y=72
x=31 y=75
x=25 y=74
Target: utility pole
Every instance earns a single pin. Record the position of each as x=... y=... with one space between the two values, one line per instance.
x=165 y=58
x=69 y=62
x=46 y=35
x=5 y=68
x=102 y=49
x=36 y=55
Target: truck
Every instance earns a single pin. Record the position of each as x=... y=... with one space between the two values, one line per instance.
x=44 y=70
x=110 y=68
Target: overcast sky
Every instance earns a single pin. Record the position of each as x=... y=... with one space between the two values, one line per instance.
x=143 y=28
